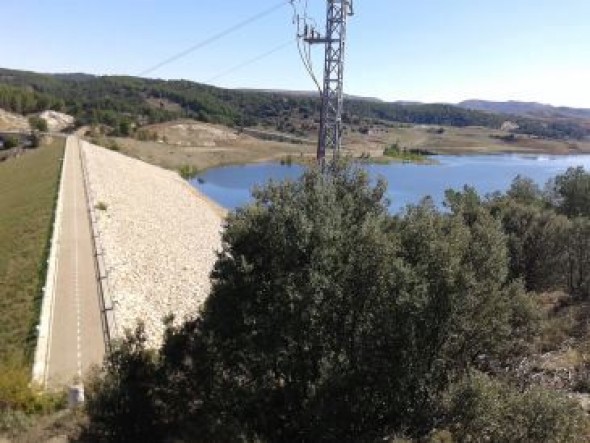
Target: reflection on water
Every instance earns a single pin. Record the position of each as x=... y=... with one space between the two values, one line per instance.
x=408 y=183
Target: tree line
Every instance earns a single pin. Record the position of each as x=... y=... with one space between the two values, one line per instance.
x=122 y=103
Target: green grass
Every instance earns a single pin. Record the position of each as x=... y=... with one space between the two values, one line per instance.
x=394 y=152
x=28 y=191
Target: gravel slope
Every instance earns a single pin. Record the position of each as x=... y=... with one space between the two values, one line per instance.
x=159 y=238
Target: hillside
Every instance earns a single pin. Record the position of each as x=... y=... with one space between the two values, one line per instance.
x=125 y=103
x=530 y=109
x=12 y=122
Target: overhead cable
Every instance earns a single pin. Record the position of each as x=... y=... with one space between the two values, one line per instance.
x=214 y=38
x=303 y=49
x=251 y=61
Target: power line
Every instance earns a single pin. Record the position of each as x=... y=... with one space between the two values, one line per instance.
x=301 y=23
x=214 y=38
x=251 y=61
x=334 y=42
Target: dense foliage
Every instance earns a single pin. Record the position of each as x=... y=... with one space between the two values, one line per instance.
x=331 y=320
x=549 y=232
x=126 y=102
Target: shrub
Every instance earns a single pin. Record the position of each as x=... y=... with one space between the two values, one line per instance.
x=578 y=257
x=328 y=320
x=13 y=422
x=35 y=140
x=107 y=143
x=188 y=171
x=20 y=401
x=112 y=145
x=571 y=192
x=481 y=409
x=38 y=124
x=120 y=401
x=145 y=135
x=17 y=393
x=525 y=190
x=11 y=142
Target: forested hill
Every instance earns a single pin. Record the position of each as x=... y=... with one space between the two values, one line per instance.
x=527 y=109
x=121 y=102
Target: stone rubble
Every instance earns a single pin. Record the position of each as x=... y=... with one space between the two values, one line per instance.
x=159 y=238
x=57 y=121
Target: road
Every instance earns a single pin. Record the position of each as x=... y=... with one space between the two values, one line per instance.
x=76 y=340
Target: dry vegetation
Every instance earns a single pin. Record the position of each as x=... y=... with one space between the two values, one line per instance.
x=195 y=146
x=202 y=146
x=454 y=140
x=29 y=188
x=12 y=122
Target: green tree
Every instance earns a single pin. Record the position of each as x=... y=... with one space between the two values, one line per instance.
x=525 y=190
x=571 y=192
x=38 y=124
x=330 y=320
x=578 y=257
x=538 y=244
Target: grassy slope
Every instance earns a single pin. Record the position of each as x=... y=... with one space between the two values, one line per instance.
x=28 y=188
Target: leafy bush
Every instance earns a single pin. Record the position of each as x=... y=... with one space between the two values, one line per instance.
x=38 y=124
x=578 y=257
x=188 y=171
x=17 y=393
x=571 y=192
x=13 y=422
x=401 y=153
x=20 y=401
x=548 y=232
x=107 y=143
x=121 y=400
x=11 y=142
x=330 y=319
x=481 y=409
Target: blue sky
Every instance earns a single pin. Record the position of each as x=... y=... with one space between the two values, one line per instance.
x=426 y=50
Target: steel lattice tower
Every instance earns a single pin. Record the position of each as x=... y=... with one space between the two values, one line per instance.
x=330 y=133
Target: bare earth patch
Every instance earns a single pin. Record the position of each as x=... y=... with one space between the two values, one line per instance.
x=12 y=122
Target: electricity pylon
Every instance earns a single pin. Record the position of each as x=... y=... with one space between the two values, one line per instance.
x=334 y=39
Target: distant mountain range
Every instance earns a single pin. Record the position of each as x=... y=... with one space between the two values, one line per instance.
x=529 y=109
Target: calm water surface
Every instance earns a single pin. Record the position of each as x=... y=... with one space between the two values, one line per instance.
x=408 y=183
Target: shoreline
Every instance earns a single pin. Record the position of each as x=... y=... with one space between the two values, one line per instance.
x=429 y=160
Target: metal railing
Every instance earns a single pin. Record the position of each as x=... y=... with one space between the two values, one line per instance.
x=107 y=308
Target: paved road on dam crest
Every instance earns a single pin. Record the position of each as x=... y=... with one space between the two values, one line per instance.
x=75 y=336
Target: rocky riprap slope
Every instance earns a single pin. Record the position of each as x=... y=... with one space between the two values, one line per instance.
x=159 y=238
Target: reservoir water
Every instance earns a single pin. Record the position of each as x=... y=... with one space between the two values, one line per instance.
x=230 y=186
